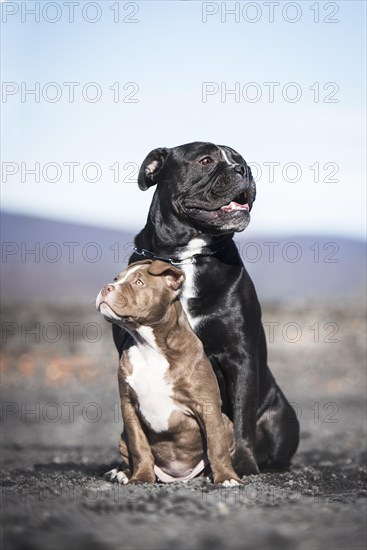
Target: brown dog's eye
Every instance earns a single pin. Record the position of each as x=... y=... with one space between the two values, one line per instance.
x=139 y=282
x=116 y=279
x=206 y=160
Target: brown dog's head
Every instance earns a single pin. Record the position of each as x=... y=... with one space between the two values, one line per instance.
x=141 y=294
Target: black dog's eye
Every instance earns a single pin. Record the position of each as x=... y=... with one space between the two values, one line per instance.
x=206 y=160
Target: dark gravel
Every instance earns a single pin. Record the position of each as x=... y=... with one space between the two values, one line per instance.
x=54 y=495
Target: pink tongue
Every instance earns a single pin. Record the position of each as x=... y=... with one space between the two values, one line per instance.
x=235 y=206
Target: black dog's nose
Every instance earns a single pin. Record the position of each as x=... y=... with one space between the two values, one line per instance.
x=239 y=169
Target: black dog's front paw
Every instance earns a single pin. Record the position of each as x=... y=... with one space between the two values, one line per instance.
x=244 y=462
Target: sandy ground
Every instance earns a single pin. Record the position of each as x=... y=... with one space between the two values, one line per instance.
x=60 y=423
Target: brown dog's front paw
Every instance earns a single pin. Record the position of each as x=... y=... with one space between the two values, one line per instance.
x=143 y=475
x=227 y=479
x=118 y=475
x=142 y=478
x=232 y=482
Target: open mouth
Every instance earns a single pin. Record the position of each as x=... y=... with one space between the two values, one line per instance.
x=239 y=203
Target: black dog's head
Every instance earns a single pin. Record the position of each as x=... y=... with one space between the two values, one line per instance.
x=209 y=186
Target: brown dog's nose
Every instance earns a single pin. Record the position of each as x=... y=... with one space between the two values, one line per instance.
x=106 y=289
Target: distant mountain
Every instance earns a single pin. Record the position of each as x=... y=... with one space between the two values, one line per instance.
x=59 y=260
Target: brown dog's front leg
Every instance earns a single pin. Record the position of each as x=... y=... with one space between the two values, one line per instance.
x=138 y=446
x=137 y=443
x=210 y=419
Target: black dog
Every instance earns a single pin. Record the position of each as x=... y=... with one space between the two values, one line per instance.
x=204 y=194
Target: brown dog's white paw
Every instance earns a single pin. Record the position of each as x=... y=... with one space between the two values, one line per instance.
x=116 y=474
x=231 y=483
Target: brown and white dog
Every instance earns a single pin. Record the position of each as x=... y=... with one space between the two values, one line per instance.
x=170 y=400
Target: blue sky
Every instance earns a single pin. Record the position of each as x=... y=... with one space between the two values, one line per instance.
x=168 y=54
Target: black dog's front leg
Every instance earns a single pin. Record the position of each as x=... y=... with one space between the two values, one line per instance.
x=241 y=374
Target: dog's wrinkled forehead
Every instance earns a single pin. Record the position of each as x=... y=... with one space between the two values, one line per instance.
x=126 y=275
x=152 y=273
x=198 y=149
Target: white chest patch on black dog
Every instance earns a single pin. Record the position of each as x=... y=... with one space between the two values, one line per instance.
x=148 y=380
x=195 y=246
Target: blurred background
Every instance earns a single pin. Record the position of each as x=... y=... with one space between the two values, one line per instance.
x=89 y=88
x=88 y=92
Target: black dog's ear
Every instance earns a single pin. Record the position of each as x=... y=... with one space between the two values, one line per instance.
x=151 y=166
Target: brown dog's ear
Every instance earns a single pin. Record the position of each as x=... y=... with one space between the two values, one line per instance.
x=174 y=277
x=151 y=166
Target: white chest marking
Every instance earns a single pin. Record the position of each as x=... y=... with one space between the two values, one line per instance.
x=195 y=246
x=148 y=380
